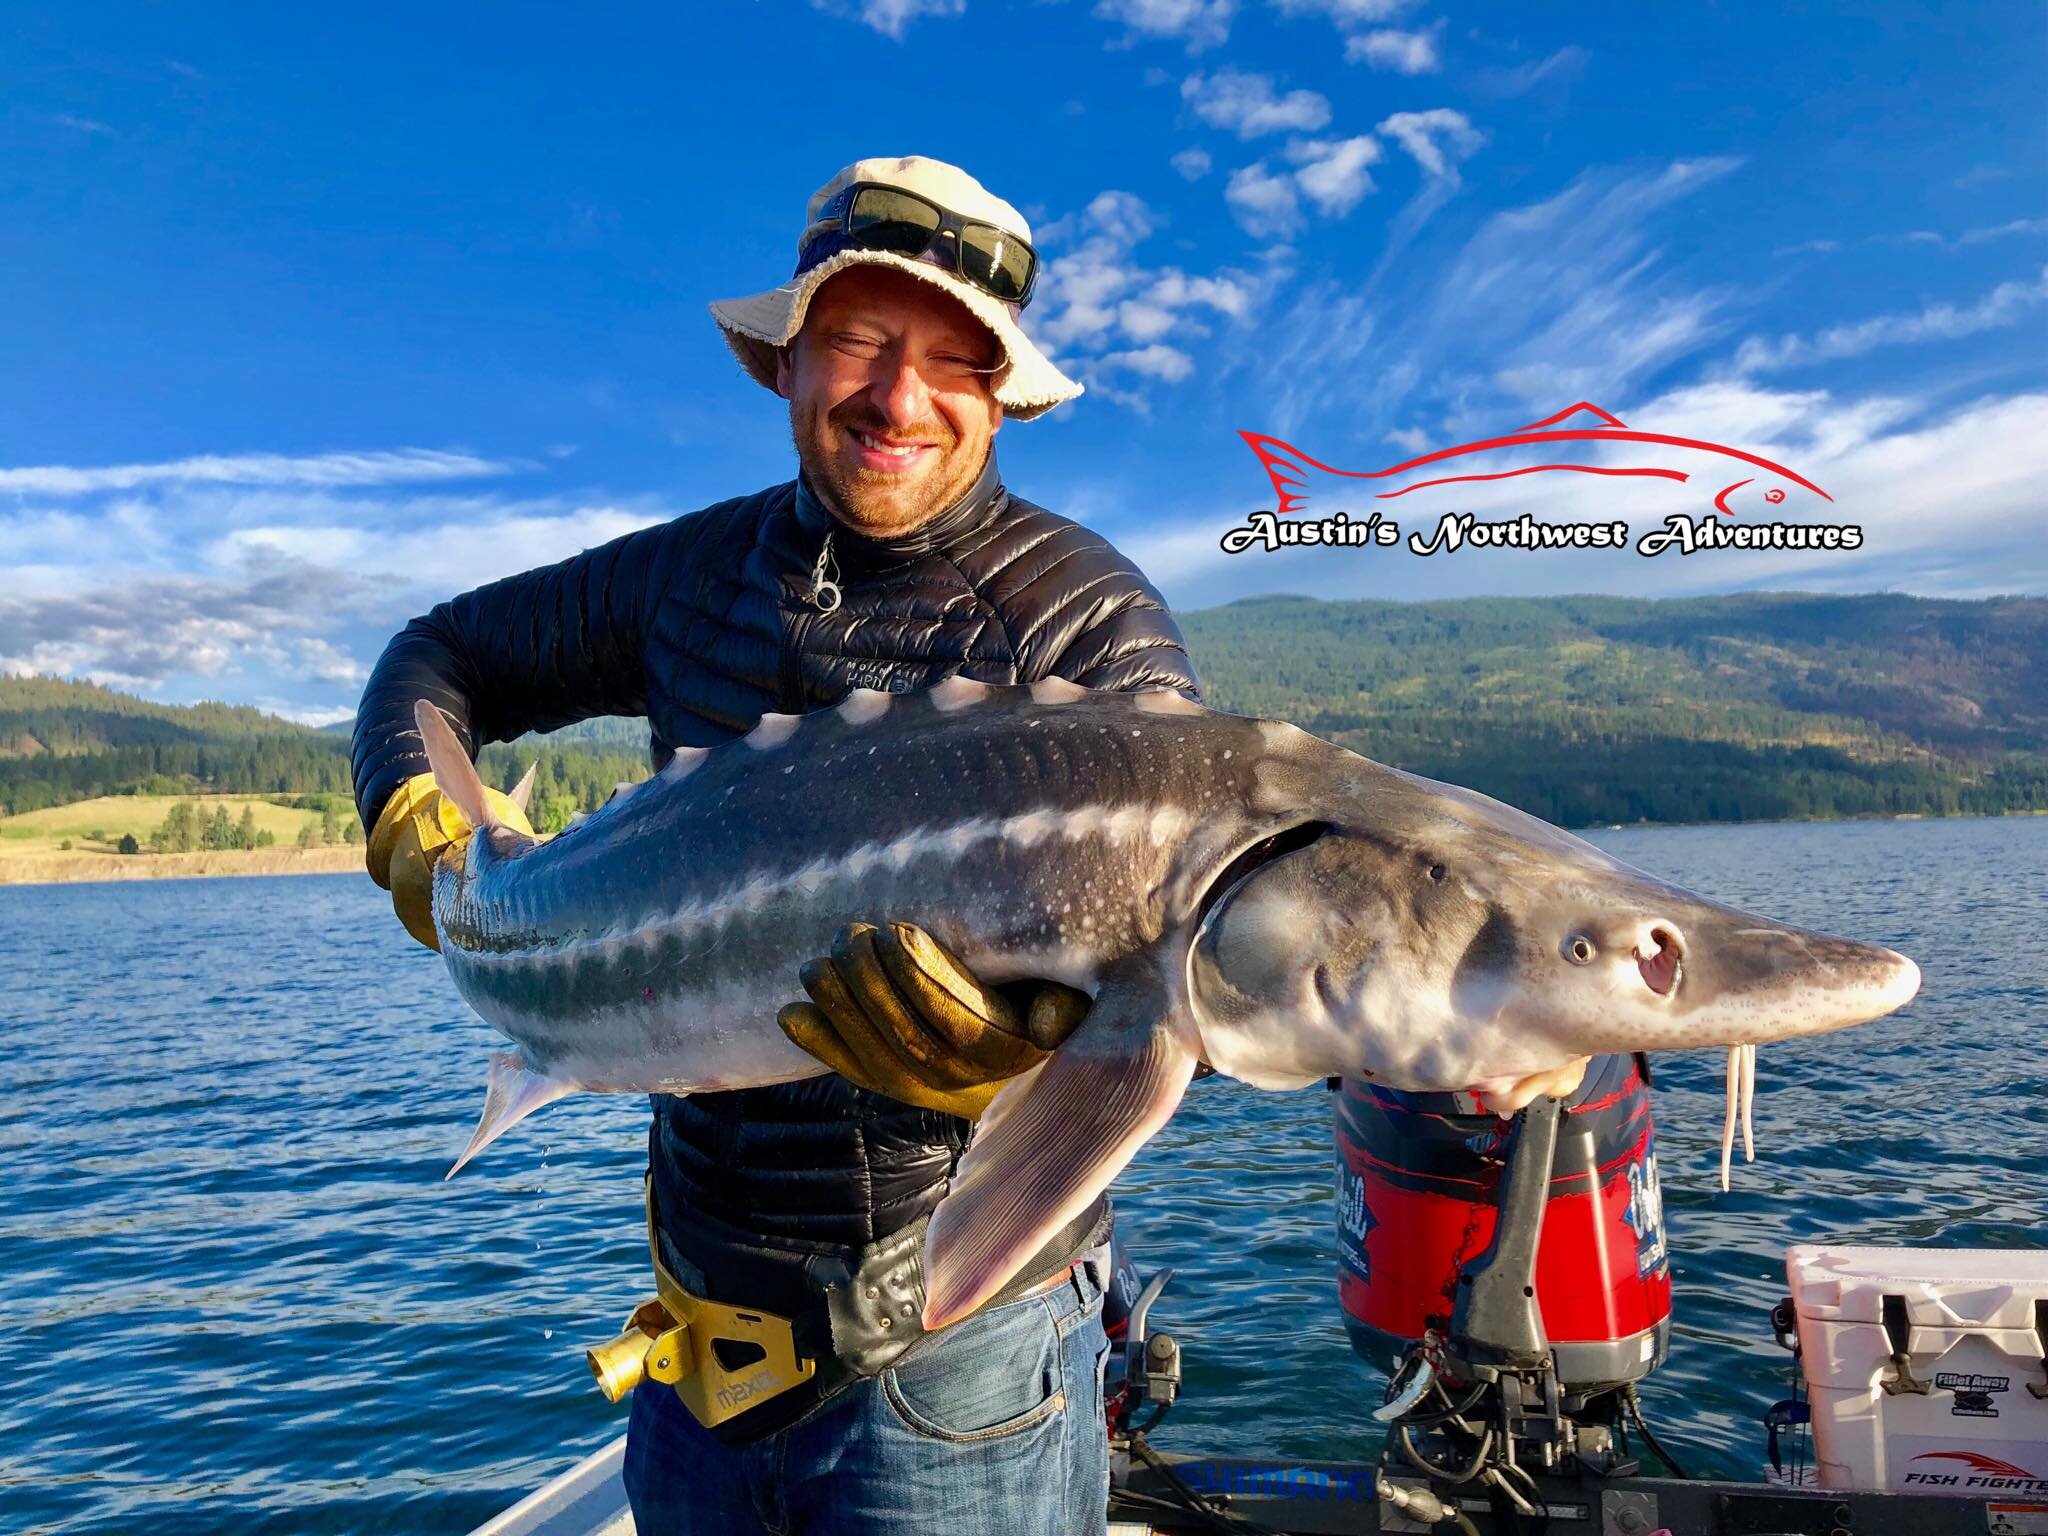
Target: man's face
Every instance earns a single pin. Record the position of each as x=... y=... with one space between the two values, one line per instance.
x=889 y=396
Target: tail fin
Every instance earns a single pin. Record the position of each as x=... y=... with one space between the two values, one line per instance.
x=1286 y=466
x=1294 y=473
x=454 y=773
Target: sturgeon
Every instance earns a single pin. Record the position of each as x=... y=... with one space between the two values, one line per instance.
x=1229 y=890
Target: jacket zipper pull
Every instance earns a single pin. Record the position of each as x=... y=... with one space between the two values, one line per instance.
x=824 y=593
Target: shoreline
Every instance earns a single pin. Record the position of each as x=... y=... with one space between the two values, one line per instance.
x=347 y=859
x=78 y=868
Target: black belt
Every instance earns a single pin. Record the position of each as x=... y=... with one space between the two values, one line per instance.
x=852 y=1314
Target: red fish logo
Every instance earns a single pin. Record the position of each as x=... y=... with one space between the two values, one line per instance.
x=1977 y=1461
x=1293 y=472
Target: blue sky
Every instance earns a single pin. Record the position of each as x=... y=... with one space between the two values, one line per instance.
x=308 y=319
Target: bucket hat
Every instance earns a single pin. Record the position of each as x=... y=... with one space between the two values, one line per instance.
x=1027 y=384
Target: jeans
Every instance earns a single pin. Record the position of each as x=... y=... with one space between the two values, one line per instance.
x=992 y=1427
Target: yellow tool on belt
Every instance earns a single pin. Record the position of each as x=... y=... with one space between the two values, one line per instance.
x=894 y=1011
x=721 y=1360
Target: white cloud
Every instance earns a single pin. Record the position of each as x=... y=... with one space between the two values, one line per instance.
x=1968 y=237
x=138 y=634
x=1346 y=13
x=1145 y=321
x=438 y=553
x=891 y=17
x=2000 y=231
x=1808 y=248
x=1405 y=53
x=315 y=715
x=260 y=571
x=322 y=661
x=1929 y=237
x=1332 y=172
x=1547 y=303
x=1230 y=294
x=1981 y=175
x=87 y=125
x=1169 y=364
x=1199 y=23
x=1193 y=163
x=1099 y=301
x=1248 y=105
x=1438 y=139
x=1556 y=72
x=1263 y=202
x=2005 y=305
x=326 y=469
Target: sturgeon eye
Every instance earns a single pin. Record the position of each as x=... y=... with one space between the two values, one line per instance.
x=1579 y=949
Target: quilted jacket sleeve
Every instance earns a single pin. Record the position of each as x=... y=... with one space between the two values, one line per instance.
x=1089 y=615
x=1131 y=643
x=530 y=653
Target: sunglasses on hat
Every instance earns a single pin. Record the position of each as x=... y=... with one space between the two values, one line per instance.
x=873 y=216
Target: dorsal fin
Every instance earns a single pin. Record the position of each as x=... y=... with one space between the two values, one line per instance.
x=957 y=692
x=1167 y=701
x=771 y=731
x=863 y=705
x=1056 y=690
x=1587 y=408
x=522 y=792
x=454 y=773
x=685 y=761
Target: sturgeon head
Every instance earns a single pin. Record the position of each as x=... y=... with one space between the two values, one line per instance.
x=1432 y=939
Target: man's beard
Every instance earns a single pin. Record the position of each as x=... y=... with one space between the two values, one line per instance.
x=871 y=499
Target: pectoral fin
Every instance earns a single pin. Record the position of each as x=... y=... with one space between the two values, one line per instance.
x=1052 y=1140
x=513 y=1092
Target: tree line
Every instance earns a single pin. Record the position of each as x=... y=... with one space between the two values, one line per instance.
x=1580 y=709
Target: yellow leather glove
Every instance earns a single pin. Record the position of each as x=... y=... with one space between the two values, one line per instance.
x=417 y=826
x=893 y=1011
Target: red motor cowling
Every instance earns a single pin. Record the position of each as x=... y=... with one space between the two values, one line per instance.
x=1416 y=1175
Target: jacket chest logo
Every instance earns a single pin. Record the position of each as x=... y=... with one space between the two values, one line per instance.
x=885 y=677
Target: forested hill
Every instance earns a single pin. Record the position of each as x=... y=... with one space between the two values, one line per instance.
x=61 y=742
x=1581 y=709
x=1596 y=709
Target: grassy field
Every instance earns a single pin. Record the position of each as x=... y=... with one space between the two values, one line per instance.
x=95 y=826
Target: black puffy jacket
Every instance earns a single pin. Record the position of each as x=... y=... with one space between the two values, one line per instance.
x=703 y=625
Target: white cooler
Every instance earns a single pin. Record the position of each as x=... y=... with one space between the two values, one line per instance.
x=1970 y=1324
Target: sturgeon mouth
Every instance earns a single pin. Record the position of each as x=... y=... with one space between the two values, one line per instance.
x=1559 y=1082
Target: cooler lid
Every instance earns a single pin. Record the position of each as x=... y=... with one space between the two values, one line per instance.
x=1941 y=1287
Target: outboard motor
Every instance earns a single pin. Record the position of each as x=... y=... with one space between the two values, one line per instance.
x=1417 y=1186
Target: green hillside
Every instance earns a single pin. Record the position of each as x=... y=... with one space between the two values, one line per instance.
x=1581 y=709
x=1596 y=709
x=63 y=742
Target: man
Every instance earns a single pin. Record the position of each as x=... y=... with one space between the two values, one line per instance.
x=895 y=558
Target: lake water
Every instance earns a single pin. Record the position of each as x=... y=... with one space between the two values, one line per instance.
x=237 y=1295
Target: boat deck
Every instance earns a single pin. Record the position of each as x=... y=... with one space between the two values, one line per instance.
x=1337 y=1499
